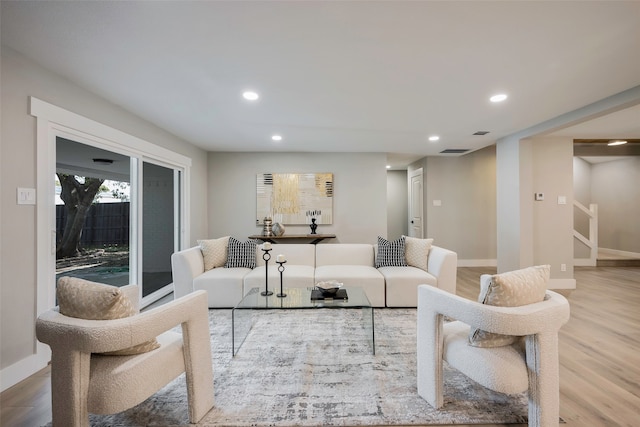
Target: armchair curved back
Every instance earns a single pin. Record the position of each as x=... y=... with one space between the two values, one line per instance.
x=83 y=380
x=538 y=323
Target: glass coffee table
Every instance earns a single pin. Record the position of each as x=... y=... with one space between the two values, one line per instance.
x=296 y=299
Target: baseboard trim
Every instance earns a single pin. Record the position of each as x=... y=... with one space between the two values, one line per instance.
x=562 y=284
x=477 y=263
x=583 y=262
x=21 y=370
x=619 y=253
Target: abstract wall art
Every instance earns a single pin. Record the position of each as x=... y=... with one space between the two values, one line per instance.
x=294 y=198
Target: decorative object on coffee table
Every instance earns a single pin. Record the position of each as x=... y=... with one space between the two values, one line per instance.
x=330 y=289
x=266 y=256
x=280 y=259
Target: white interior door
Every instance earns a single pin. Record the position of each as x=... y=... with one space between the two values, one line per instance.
x=415 y=205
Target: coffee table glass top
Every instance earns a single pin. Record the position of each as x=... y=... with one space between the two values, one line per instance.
x=297 y=298
x=301 y=298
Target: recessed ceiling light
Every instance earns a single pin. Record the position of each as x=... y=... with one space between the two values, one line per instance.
x=388 y=166
x=498 y=98
x=434 y=138
x=250 y=95
x=276 y=138
x=616 y=142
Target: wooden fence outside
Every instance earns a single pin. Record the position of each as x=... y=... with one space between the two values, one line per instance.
x=106 y=224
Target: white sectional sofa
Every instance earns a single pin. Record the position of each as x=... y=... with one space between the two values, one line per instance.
x=298 y=272
x=353 y=265
x=350 y=263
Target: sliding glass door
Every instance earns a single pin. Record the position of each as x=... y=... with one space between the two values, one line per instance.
x=127 y=225
x=160 y=225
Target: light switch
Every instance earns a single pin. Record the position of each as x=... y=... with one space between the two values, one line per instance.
x=437 y=203
x=539 y=197
x=562 y=200
x=26 y=196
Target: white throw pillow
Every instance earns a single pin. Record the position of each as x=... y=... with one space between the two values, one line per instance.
x=214 y=252
x=416 y=252
x=83 y=299
x=510 y=289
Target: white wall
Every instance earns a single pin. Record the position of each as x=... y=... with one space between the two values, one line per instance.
x=511 y=248
x=465 y=222
x=552 y=221
x=536 y=232
x=360 y=192
x=397 y=204
x=615 y=188
x=22 y=78
x=466 y=217
x=582 y=194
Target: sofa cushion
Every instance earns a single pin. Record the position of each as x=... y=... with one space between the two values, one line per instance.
x=401 y=285
x=214 y=252
x=345 y=254
x=510 y=289
x=416 y=252
x=241 y=254
x=293 y=276
x=224 y=286
x=408 y=274
x=366 y=277
x=294 y=253
x=88 y=300
x=390 y=253
x=501 y=368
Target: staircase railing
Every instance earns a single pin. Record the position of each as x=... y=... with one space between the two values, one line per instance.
x=592 y=240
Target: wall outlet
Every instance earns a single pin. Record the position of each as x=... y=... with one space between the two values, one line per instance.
x=539 y=196
x=563 y=267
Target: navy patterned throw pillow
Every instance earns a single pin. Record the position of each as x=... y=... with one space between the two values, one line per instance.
x=241 y=254
x=390 y=254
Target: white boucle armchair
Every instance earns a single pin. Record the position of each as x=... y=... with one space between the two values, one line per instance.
x=508 y=369
x=84 y=382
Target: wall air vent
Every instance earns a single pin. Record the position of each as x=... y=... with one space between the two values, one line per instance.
x=454 y=151
x=481 y=132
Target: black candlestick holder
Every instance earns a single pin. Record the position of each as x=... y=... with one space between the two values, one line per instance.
x=281 y=270
x=266 y=256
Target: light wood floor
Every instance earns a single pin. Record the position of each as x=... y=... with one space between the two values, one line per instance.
x=599 y=354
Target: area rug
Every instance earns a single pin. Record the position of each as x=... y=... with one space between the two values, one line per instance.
x=316 y=368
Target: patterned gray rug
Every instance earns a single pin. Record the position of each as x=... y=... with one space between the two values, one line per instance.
x=315 y=368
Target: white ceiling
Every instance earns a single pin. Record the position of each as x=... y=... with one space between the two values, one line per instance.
x=340 y=76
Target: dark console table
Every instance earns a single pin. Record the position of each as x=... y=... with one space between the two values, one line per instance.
x=293 y=238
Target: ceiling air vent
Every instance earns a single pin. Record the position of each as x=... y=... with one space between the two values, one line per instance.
x=454 y=151
x=481 y=132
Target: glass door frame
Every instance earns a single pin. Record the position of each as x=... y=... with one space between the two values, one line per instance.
x=53 y=122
